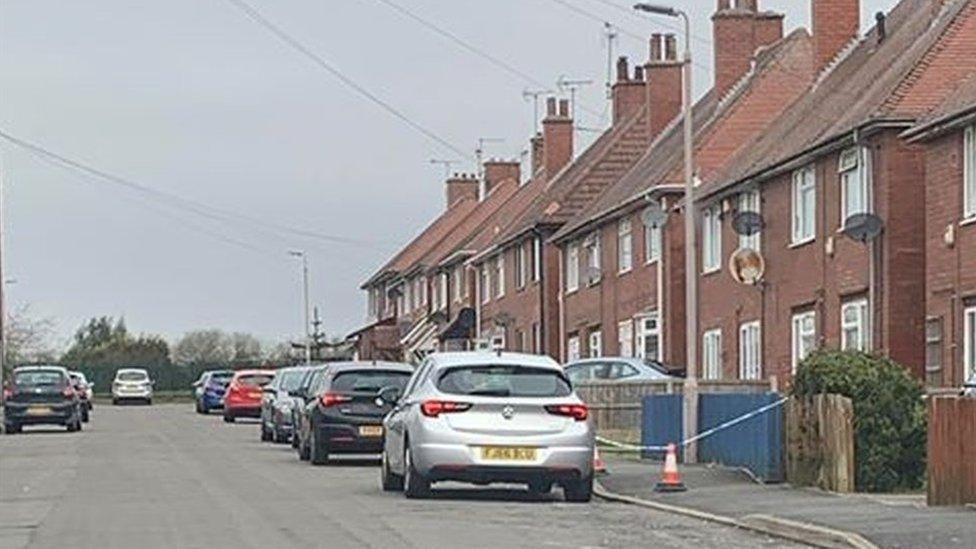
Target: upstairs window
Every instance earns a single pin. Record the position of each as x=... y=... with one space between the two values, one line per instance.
x=855 y=182
x=520 y=266
x=572 y=267
x=485 y=284
x=750 y=201
x=804 y=204
x=969 y=174
x=442 y=290
x=652 y=244
x=458 y=283
x=594 y=267
x=625 y=246
x=711 y=239
x=500 y=275
x=536 y=259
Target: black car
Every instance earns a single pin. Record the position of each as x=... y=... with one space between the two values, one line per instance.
x=300 y=399
x=277 y=402
x=41 y=395
x=344 y=414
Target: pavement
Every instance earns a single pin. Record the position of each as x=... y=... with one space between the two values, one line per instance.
x=896 y=521
x=163 y=476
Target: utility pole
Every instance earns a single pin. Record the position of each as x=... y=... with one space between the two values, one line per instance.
x=318 y=338
x=308 y=335
x=3 y=283
x=610 y=33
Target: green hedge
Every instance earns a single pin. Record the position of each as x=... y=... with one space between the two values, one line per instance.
x=889 y=415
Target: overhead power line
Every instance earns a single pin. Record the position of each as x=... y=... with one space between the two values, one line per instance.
x=301 y=48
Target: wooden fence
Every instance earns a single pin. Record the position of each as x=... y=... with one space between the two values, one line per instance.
x=952 y=451
x=820 y=442
x=616 y=407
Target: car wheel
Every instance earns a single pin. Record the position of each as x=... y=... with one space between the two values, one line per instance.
x=294 y=438
x=228 y=418
x=84 y=414
x=415 y=485
x=280 y=437
x=580 y=491
x=265 y=433
x=115 y=402
x=72 y=426
x=199 y=407
x=148 y=402
x=318 y=450
x=304 y=454
x=11 y=428
x=540 y=487
x=390 y=481
x=78 y=424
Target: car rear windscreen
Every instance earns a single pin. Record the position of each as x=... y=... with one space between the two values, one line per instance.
x=292 y=380
x=38 y=377
x=504 y=381
x=131 y=376
x=369 y=381
x=255 y=380
x=221 y=377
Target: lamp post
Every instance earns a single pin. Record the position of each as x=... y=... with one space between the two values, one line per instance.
x=691 y=273
x=308 y=336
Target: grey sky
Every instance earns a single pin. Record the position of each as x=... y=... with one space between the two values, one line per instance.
x=193 y=98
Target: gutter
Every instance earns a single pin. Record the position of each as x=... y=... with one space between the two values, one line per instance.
x=940 y=126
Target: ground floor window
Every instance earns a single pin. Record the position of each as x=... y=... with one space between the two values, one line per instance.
x=649 y=336
x=536 y=338
x=625 y=338
x=854 y=325
x=573 y=348
x=596 y=344
x=933 y=351
x=804 y=336
x=969 y=342
x=712 y=354
x=750 y=351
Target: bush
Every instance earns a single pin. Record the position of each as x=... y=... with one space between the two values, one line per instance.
x=889 y=415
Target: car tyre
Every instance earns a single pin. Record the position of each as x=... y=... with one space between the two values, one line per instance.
x=84 y=414
x=115 y=402
x=11 y=428
x=580 y=491
x=415 y=485
x=228 y=418
x=390 y=481
x=294 y=439
x=318 y=450
x=148 y=402
x=280 y=437
x=265 y=433
x=72 y=426
x=540 y=487
x=304 y=454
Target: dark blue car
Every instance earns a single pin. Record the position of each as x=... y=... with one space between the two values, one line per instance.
x=209 y=390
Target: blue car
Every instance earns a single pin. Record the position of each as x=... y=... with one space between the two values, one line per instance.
x=209 y=390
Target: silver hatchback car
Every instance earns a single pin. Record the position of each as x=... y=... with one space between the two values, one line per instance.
x=485 y=417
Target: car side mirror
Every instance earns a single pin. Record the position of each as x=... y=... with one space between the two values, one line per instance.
x=296 y=394
x=390 y=395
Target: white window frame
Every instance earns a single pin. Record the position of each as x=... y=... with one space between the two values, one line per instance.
x=536 y=338
x=969 y=174
x=625 y=246
x=803 y=324
x=484 y=279
x=711 y=239
x=854 y=168
x=594 y=263
x=458 y=282
x=750 y=350
x=969 y=342
x=750 y=200
x=520 y=266
x=712 y=354
x=652 y=244
x=625 y=338
x=643 y=333
x=572 y=268
x=804 y=206
x=860 y=322
x=500 y=276
x=596 y=344
x=536 y=259
x=573 y=351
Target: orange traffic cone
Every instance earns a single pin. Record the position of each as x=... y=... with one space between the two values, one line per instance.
x=599 y=466
x=670 y=477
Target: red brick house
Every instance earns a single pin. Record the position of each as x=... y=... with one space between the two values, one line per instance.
x=835 y=153
x=948 y=139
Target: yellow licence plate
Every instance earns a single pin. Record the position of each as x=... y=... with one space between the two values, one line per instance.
x=371 y=431
x=38 y=411
x=507 y=453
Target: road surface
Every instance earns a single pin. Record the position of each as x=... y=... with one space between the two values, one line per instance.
x=163 y=476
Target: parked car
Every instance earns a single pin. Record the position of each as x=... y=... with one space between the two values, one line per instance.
x=277 y=401
x=300 y=399
x=84 y=390
x=132 y=384
x=345 y=416
x=616 y=369
x=485 y=417
x=969 y=388
x=209 y=390
x=41 y=395
x=243 y=395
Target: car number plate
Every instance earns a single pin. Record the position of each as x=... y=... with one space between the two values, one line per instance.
x=38 y=411
x=371 y=431
x=507 y=453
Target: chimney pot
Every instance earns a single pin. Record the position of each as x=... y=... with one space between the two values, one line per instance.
x=564 y=108
x=622 y=68
x=748 y=5
x=551 y=106
x=656 y=47
x=670 y=48
x=723 y=5
x=639 y=73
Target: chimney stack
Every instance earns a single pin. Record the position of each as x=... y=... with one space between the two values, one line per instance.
x=740 y=29
x=499 y=171
x=557 y=137
x=459 y=187
x=628 y=94
x=664 y=91
x=835 y=23
x=536 y=154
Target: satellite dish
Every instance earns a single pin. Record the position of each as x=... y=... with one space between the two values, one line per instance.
x=654 y=216
x=862 y=227
x=747 y=223
x=747 y=266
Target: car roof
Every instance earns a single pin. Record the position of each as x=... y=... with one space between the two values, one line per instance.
x=481 y=358
x=40 y=367
x=254 y=372
x=128 y=370
x=337 y=367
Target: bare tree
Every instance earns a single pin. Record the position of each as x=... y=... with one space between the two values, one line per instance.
x=209 y=346
x=28 y=339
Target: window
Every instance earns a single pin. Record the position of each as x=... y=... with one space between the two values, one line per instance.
x=573 y=348
x=969 y=173
x=596 y=343
x=712 y=354
x=649 y=336
x=854 y=326
x=625 y=338
x=855 y=179
x=804 y=205
x=500 y=275
x=536 y=338
x=371 y=303
x=485 y=284
x=458 y=282
x=750 y=351
x=652 y=244
x=520 y=341
x=804 y=336
x=520 y=266
x=593 y=266
x=572 y=267
x=625 y=250
x=969 y=343
x=933 y=351
x=711 y=239
x=536 y=260
x=750 y=201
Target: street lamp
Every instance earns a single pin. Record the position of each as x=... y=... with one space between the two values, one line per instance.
x=308 y=336
x=691 y=273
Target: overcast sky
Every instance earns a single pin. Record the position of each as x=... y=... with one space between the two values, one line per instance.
x=193 y=98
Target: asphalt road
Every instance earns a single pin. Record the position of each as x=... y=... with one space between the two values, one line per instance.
x=162 y=476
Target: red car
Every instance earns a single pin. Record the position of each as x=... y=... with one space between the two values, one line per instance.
x=243 y=395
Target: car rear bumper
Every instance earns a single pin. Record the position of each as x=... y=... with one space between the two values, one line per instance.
x=212 y=401
x=507 y=474
x=55 y=414
x=131 y=395
x=345 y=438
x=243 y=411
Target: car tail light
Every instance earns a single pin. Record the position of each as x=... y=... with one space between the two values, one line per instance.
x=579 y=412
x=7 y=393
x=68 y=392
x=331 y=399
x=434 y=408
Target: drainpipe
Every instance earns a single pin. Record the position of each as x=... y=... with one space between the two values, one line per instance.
x=562 y=307
x=477 y=304
x=537 y=236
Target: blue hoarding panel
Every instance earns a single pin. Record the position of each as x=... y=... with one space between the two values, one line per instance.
x=661 y=419
x=756 y=443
